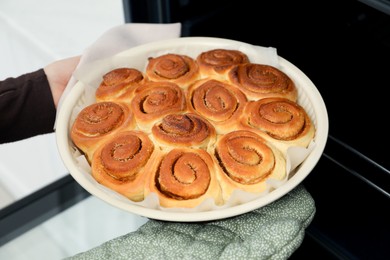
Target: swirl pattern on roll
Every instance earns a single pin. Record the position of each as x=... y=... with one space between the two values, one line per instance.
x=260 y=81
x=188 y=130
x=218 y=61
x=184 y=175
x=245 y=157
x=99 y=119
x=280 y=118
x=120 y=160
x=184 y=130
x=217 y=101
x=125 y=154
x=155 y=100
x=118 y=82
x=96 y=121
x=180 y=69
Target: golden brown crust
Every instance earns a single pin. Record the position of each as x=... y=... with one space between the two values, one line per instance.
x=120 y=161
x=176 y=68
x=184 y=130
x=119 y=84
x=216 y=62
x=98 y=121
x=218 y=101
x=280 y=120
x=246 y=161
x=185 y=178
x=260 y=81
x=155 y=100
x=192 y=130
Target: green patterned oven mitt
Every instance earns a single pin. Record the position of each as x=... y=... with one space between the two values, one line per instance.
x=274 y=231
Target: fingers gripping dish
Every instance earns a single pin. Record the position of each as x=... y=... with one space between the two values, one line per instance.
x=192 y=129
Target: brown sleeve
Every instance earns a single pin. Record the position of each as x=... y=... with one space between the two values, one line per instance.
x=26 y=107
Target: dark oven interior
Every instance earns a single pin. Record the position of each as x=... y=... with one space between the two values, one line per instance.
x=344 y=48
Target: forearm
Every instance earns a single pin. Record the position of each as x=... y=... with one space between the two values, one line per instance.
x=26 y=107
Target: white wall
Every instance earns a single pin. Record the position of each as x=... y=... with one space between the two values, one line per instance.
x=34 y=33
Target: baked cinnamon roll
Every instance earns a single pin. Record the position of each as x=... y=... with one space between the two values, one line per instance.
x=260 y=81
x=120 y=163
x=193 y=129
x=185 y=178
x=119 y=84
x=155 y=100
x=280 y=121
x=216 y=62
x=97 y=121
x=184 y=130
x=246 y=161
x=176 y=68
x=219 y=102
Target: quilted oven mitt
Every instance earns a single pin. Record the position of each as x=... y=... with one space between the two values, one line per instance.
x=274 y=231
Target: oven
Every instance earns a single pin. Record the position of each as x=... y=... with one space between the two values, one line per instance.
x=343 y=47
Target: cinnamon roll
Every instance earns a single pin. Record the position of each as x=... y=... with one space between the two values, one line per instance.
x=185 y=130
x=97 y=121
x=246 y=161
x=217 y=101
x=190 y=129
x=120 y=163
x=176 y=68
x=216 y=62
x=119 y=84
x=154 y=100
x=280 y=121
x=260 y=81
x=185 y=178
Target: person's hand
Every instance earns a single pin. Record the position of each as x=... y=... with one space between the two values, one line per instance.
x=58 y=74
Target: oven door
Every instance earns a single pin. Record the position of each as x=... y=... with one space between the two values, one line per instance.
x=341 y=46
